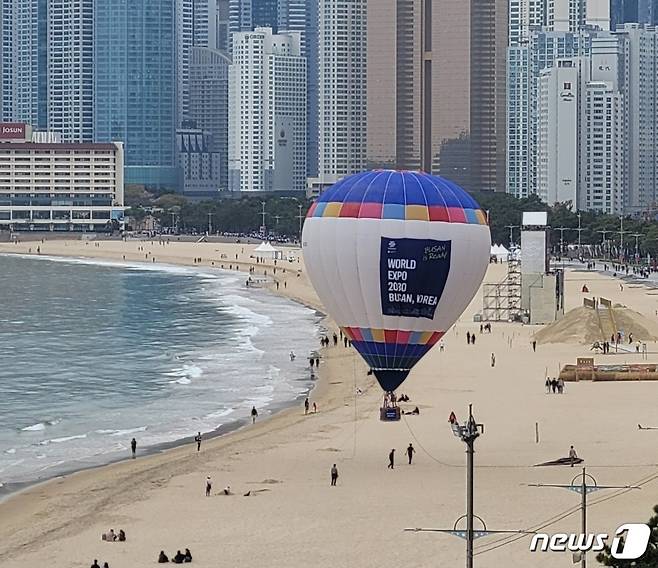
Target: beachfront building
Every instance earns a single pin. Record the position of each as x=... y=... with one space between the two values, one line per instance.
x=267 y=112
x=24 y=62
x=201 y=166
x=580 y=142
x=342 y=95
x=47 y=186
x=208 y=101
x=135 y=87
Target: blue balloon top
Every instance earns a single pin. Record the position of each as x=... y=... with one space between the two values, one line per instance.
x=403 y=195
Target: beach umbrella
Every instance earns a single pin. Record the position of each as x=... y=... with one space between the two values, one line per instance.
x=395 y=257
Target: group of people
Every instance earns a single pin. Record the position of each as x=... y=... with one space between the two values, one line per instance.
x=470 y=338
x=410 y=451
x=96 y=565
x=180 y=557
x=554 y=385
x=307 y=406
x=111 y=536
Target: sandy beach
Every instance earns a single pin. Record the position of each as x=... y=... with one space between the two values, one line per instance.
x=293 y=517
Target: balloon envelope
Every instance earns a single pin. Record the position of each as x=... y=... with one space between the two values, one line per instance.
x=395 y=258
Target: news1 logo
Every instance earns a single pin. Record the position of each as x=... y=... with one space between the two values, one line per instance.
x=630 y=542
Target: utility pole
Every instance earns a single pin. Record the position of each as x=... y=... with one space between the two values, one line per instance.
x=562 y=229
x=584 y=488
x=621 y=234
x=210 y=214
x=604 y=232
x=580 y=230
x=262 y=224
x=468 y=432
x=511 y=234
x=637 y=248
x=300 y=217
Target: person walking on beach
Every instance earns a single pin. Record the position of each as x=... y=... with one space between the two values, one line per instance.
x=133 y=446
x=410 y=452
x=534 y=345
x=254 y=414
x=306 y=404
x=468 y=337
x=208 y=486
x=493 y=360
x=572 y=455
x=95 y=564
x=391 y=459
x=197 y=439
x=334 y=475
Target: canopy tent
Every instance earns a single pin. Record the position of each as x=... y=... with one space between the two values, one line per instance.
x=500 y=252
x=266 y=249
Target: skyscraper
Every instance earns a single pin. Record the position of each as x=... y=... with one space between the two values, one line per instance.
x=436 y=74
x=24 y=61
x=302 y=16
x=247 y=15
x=342 y=89
x=639 y=48
x=267 y=112
x=633 y=11
x=208 y=101
x=71 y=69
x=135 y=86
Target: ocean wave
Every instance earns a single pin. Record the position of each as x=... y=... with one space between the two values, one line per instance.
x=63 y=439
x=129 y=431
x=35 y=427
x=181 y=381
x=10 y=451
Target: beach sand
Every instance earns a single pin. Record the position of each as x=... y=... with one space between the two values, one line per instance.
x=294 y=518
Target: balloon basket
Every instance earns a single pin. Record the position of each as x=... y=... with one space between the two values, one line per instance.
x=389 y=413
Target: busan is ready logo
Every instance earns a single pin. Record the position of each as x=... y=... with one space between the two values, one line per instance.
x=628 y=543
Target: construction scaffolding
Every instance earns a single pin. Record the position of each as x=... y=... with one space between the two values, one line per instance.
x=502 y=301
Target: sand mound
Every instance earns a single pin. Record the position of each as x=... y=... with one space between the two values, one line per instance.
x=581 y=325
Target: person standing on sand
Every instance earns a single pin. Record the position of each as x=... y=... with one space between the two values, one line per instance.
x=197 y=439
x=334 y=475
x=306 y=404
x=208 y=486
x=95 y=564
x=534 y=345
x=391 y=459
x=410 y=452
x=493 y=360
x=254 y=414
x=572 y=455
x=133 y=446
x=468 y=337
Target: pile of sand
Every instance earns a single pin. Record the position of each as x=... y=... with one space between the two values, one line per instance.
x=581 y=325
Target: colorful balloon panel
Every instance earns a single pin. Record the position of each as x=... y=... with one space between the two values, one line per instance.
x=395 y=257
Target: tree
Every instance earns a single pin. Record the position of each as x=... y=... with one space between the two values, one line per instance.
x=648 y=560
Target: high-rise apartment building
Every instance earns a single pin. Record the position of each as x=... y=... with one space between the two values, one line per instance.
x=302 y=16
x=639 y=69
x=70 y=52
x=267 y=112
x=342 y=89
x=247 y=15
x=633 y=11
x=208 y=101
x=436 y=88
x=24 y=61
x=540 y=31
x=135 y=86
x=580 y=134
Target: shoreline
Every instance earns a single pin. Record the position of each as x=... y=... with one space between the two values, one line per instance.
x=11 y=491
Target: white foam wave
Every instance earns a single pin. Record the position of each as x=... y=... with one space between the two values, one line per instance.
x=68 y=438
x=10 y=451
x=34 y=428
x=128 y=431
x=181 y=381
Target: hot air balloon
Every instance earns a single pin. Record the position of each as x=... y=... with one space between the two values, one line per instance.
x=395 y=257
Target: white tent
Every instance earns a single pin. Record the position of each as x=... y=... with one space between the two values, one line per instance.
x=500 y=252
x=266 y=249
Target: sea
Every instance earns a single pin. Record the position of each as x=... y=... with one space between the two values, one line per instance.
x=95 y=353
